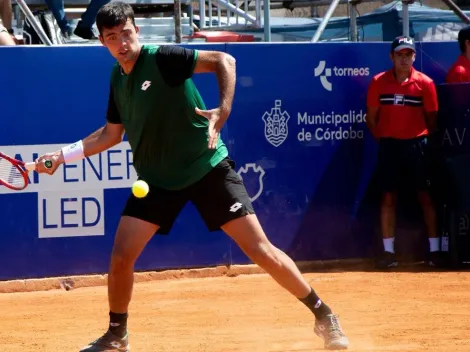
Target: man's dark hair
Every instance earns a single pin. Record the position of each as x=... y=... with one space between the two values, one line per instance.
x=114 y=14
x=464 y=35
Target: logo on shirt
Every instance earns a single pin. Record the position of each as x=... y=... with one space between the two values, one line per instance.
x=325 y=73
x=398 y=99
x=275 y=124
x=401 y=100
x=146 y=84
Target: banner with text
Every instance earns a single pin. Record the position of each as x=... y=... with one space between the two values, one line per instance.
x=297 y=133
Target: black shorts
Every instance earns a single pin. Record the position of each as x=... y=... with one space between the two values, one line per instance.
x=403 y=157
x=220 y=196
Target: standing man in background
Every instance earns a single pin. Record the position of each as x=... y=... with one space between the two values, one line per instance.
x=6 y=15
x=5 y=37
x=401 y=113
x=460 y=70
x=84 y=28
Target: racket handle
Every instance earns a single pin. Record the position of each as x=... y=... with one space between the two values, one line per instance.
x=32 y=165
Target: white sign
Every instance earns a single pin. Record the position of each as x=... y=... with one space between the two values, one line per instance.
x=71 y=202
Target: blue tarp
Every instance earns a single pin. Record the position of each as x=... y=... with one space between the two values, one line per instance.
x=383 y=24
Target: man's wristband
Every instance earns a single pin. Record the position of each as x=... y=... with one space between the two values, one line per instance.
x=73 y=152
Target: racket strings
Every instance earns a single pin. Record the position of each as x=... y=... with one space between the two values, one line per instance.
x=10 y=174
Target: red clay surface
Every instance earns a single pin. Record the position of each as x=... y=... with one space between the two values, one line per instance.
x=379 y=312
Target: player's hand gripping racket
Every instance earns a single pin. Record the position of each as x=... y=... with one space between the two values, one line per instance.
x=14 y=173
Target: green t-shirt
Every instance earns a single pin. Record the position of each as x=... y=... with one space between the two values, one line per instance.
x=156 y=105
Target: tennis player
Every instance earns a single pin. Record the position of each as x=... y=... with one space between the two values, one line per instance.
x=177 y=151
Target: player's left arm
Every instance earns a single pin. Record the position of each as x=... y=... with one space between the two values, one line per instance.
x=430 y=106
x=177 y=64
x=224 y=67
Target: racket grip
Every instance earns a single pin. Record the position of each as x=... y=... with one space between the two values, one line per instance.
x=30 y=166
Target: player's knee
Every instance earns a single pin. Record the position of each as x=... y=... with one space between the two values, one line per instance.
x=264 y=254
x=121 y=259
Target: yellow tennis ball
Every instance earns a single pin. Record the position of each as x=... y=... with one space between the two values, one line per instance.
x=140 y=188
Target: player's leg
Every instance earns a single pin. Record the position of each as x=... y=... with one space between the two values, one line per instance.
x=387 y=226
x=430 y=219
x=141 y=219
x=227 y=206
x=247 y=232
x=420 y=174
x=388 y=168
x=131 y=238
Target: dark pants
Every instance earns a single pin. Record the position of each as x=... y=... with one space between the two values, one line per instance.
x=220 y=196
x=407 y=157
x=87 y=19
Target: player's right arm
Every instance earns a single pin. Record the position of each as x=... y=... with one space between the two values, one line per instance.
x=373 y=107
x=107 y=136
x=102 y=139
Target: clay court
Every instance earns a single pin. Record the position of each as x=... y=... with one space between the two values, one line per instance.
x=401 y=311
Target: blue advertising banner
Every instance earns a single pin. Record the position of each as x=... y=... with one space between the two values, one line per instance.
x=301 y=108
x=64 y=224
x=436 y=59
x=297 y=134
x=454 y=118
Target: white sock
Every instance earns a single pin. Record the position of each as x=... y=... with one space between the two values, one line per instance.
x=434 y=244
x=389 y=244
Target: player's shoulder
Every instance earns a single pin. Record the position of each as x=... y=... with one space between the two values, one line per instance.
x=149 y=49
x=458 y=68
x=171 y=50
x=422 y=77
x=458 y=73
x=380 y=77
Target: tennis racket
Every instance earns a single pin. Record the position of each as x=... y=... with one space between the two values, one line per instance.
x=14 y=173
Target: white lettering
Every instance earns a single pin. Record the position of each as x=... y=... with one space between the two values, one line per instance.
x=110 y=169
x=351 y=71
x=70 y=214
x=70 y=202
x=339 y=134
x=334 y=126
x=304 y=136
x=454 y=137
x=325 y=73
x=331 y=118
